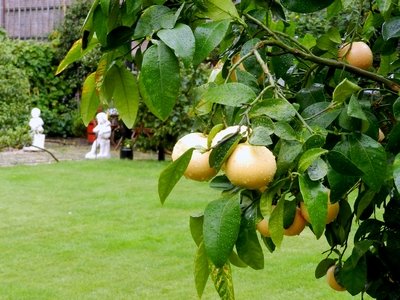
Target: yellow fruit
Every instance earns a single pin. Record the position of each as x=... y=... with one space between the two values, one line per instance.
x=199 y=168
x=262 y=228
x=357 y=54
x=330 y=278
x=251 y=167
x=241 y=129
x=297 y=226
x=333 y=211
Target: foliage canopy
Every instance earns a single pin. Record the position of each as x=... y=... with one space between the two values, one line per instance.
x=321 y=117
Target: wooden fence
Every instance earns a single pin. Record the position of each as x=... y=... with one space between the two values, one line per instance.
x=31 y=19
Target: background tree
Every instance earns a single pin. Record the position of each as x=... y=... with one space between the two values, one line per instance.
x=331 y=122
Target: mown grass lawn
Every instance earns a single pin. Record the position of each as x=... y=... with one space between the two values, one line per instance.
x=96 y=230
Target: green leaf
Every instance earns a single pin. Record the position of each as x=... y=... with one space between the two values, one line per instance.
x=220 y=9
x=222 y=278
x=201 y=269
x=100 y=25
x=181 y=40
x=285 y=131
x=75 y=53
x=275 y=108
x=391 y=28
x=370 y=157
x=170 y=176
x=231 y=94
x=288 y=153
x=354 y=109
x=196 y=228
x=317 y=170
x=90 y=100
x=208 y=36
x=153 y=19
x=315 y=197
x=339 y=184
x=260 y=136
x=118 y=37
x=159 y=80
x=323 y=267
x=308 y=157
x=275 y=223
x=222 y=219
x=353 y=275
x=306 y=6
x=248 y=246
x=396 y=109
x=126 y=93
x=343 y=91
x=320 y=114
x=396 y=172
x=222 y=151
x=384 y=6
x=105 y=6
x=341 y=164
x=310 y=95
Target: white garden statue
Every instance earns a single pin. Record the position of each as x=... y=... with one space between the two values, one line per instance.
x=36 y=124
x=103 y=133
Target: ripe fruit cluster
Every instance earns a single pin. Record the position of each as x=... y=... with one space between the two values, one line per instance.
x=301 y=219
x=248 y=166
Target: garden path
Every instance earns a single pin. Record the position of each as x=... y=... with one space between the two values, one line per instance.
x=62 y=149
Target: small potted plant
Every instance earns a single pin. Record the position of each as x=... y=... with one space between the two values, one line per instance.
x=126 y=150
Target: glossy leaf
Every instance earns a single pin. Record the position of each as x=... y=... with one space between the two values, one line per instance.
x=208 y=36
x=222 y=151
x=288 y=153
x=220 y=9
x=354 y=109
x=275 y=223
x=260 y=136
x=90 y=99
x=153 y=19
x=159 y=80
x=248 y=246
x=201 y=269
x=285 y=131
x=221 y=227
x=354 y=272
x=306 y=6
x=181 y=40
x=323 y=266
x=75 y=53
x=343 y=91
x=275 y=108
x=170 y=176
x=341 y=163
x=126 y=94
x=308 y=157
x=315 y=197
x=310 y=95
x=370 y=157
x=231 y=94
x=317 y=170
x=391 y=28
x=320 y=114
x=340 y=184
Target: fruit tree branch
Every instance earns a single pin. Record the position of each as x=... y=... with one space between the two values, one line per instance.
x=306 y=55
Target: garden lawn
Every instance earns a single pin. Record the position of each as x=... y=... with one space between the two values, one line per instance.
x=97 y=230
